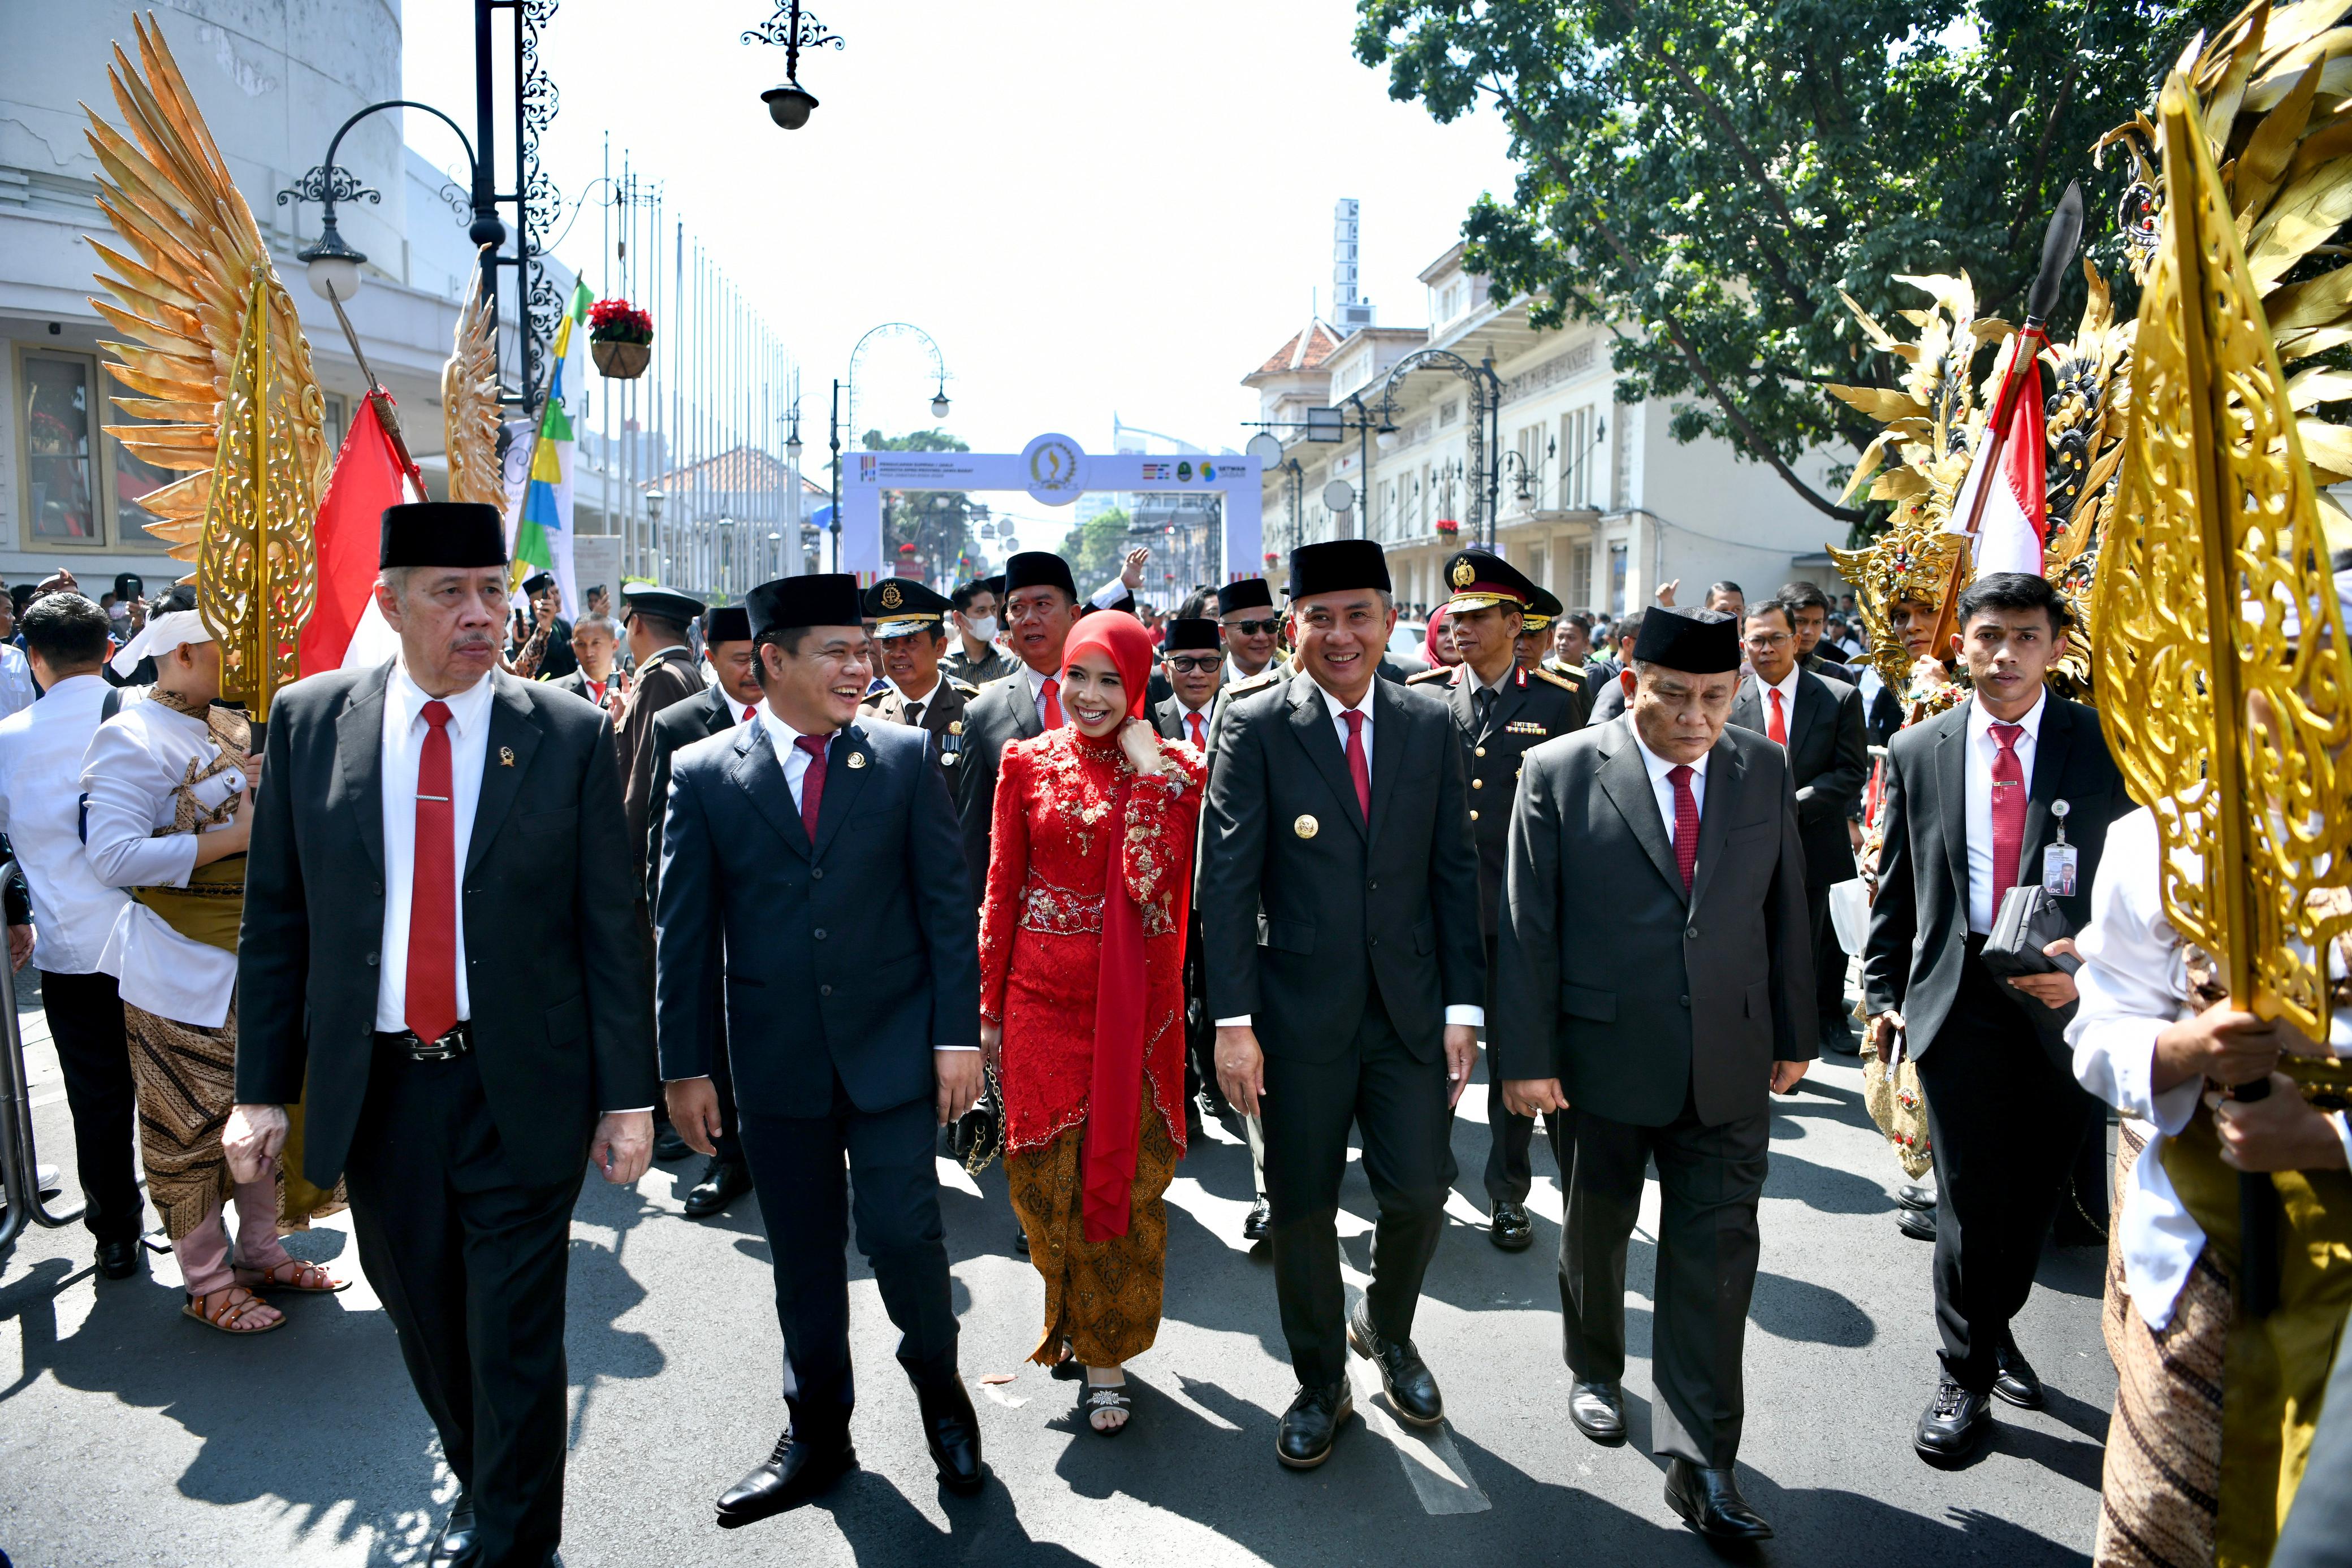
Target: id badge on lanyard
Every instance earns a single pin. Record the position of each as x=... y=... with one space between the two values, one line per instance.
x=2061 y=860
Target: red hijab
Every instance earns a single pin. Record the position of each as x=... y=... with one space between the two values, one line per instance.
x=1115 y=1099
x=1437 y=660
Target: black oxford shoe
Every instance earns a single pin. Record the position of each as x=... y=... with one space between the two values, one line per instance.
x=2014 y=1381
x=1304 y=1440
x=723 y=1181
x=1510 y=1229
x=1599 y=1411
x=1911 y=1195
x=1955 y=1424
x=1919 y=1224
x=953 y=1429
x=1710 y=1503
x=456 y=1542
x=119 y=1259
x=669 y=1144
x=1259 y=1224
x=1411 y=1390
x=794 y=1474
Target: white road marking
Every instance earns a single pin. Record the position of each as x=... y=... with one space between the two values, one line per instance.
x=953 y=1175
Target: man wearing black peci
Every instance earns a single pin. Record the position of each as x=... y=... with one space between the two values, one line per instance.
x=1041 y=605
x=444 y=961
x=658 y=620
x=1657 y=1034
x=1193 y=656
x=1338 y=897
x=1972 y=808
x=798 y=836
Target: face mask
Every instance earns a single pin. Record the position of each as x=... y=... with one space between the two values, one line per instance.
x=982 y=627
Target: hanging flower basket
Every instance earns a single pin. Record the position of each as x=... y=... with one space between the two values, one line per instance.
x=620 y=337
x=1447 y=528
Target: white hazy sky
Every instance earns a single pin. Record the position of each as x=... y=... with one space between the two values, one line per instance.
x=1094 y=205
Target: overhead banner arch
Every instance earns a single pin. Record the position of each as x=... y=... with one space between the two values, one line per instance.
x=1052 y=471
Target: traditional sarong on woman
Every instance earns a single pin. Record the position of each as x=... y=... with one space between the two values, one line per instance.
x=1082 y=956
x=155 y=779
x=2214 y=1410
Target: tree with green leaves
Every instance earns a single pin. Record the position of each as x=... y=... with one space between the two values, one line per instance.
x=937 y=523
x=1701 y=177
x=1097 y=548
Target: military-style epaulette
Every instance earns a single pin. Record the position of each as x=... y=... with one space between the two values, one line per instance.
x=993 y=680
x=1443 y=673
x=650 y=665
x=1556 y=678
x=1257 y=682
x=964 y=688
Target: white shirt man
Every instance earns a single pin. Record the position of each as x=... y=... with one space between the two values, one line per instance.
x=1984 y=748
x=1662 y=787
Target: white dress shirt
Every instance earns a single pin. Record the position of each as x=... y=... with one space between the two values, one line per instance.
x=1982 y=750
x=1663 y=787
x=41 y=751
x=16 y=692
x=1456 y=1013
x=1034 y=683
x=135 y=761
x=403 y=742
x=1787 y=690
x=2134 y=982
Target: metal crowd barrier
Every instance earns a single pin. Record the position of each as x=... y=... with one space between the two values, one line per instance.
x=19 y=1174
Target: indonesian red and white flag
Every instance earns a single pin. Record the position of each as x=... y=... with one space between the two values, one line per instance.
x=2014 y=524
x=367 y=479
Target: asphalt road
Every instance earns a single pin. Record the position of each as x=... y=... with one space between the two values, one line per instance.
x=131 y=1435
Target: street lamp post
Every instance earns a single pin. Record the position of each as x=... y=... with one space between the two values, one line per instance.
x=653 y=499
x=789 y=103
x=938 y=403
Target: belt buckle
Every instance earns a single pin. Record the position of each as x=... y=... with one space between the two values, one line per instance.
x=448 y=1048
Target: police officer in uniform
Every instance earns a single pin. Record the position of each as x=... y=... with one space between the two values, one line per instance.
x=1500 y=708
x=1544 y=609
x=657 y=619
x=911 y=639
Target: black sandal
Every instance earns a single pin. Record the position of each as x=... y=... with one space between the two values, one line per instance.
x=1068 y=1369
x=1094 y=1397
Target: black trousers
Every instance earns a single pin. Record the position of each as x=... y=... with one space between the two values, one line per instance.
x=806 y=1198
x=85 y=1013
x=2007 y=1126
x=1829 y=968
x=1510 y=1174
x=471 y=1265
x=1397 y=1103
x=1708 y=1180
x=1200 y=1030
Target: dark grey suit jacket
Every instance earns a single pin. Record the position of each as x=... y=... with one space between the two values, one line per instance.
x=1829 y=757
x=556 y=955
x=1675 y=997
x=1304 y=907
x=1607 y=698
x=676 y=726
x=1168 y=718
x=856 y=956
x=1001 y=715
x=1912 y=959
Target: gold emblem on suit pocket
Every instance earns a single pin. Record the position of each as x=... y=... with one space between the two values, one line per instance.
x=506 y=756
x=1306 y=827
x=858 y=760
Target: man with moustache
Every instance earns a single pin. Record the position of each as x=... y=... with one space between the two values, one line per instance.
x=732 y=699
x=1657 y=1034
x=909 y=638
x=790 y=839
x=1338 y=897
x=444 y=961
x=976 y=660
x=1041 y=605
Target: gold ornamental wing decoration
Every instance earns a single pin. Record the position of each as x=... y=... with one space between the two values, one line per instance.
x=2225 y=684
x=469 y=407
x=184 y=279
x=2273 y=98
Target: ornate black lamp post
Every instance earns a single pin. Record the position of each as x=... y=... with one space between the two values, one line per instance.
x=790 y=104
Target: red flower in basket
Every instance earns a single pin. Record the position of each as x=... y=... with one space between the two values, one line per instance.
x=618 y=321
x=1448 y=526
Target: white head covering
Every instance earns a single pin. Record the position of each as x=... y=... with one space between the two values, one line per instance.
x=161 y=634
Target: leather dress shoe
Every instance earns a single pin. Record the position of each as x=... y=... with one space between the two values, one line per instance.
x=1304 y=1440
x=1838 y=1039
x=2015 y=1381
x=1911 y=1195
x=119 y=1259
x=1599 y=1411
x=953 y=1429
x=723 y=1181
x=669 y=1144
x=456 y=1542
x=1020 y=1241
x=1710 y=1503
x=1952 y=1427
x=1919 y=1224
x=1510 y=1229
x=794 y=1474
x=1411 y=1390
x=1260 y=1223
x=1193 y=1131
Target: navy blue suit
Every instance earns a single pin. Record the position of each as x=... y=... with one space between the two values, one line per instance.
x=844 y=963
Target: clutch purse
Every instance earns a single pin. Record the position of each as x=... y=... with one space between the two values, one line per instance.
x=977 y=1137
x=2028 y=920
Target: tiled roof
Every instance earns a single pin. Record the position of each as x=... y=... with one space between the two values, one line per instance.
x=1307 y=349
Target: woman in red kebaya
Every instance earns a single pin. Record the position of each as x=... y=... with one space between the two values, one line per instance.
x=1082 y=1000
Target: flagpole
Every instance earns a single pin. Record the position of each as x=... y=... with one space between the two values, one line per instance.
x=387 y=415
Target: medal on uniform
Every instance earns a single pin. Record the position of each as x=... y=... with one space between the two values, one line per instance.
x=2059 y=860
x=856 y=760
x=1305 y=827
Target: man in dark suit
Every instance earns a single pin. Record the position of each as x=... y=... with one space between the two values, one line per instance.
x=1809 y=617
x=657 y=619
x=444 y=960
x=790 y=840
x=732 y=699
x=1193 y=659
x=910 y=638
x=1976 y=798
x=1336 y=1006
x=1041 y=605
x=1501 y=710
x=1656 y=1035
x=595 y=644
x=1819 y=721
x=1608 y=676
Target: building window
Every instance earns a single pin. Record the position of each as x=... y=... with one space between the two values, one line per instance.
x=339 y=421
x=1535 y=567
x=1578 y=456
x=1579 y=578
x=1617 y=579
x=61 y=448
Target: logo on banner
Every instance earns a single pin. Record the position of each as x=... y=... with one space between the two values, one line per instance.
x=1208 y=472
x=1183 y=473
x=867 y=465
x=1055 y=469
x=1156 y=471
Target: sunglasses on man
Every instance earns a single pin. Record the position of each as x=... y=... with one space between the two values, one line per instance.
x=1254 y=628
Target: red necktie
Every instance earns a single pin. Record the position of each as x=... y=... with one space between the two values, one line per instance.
x=748 y=709
x=431 y=1010
x=1359 y=766
x=1194 y=720
x=811 y=781
x=596 y=691
x=1053 y=703
x=1686 y=822
x=2008 y=812
x=1777 y=726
